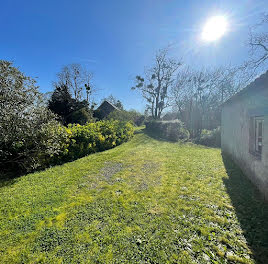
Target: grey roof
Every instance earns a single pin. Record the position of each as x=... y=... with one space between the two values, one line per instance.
x=105 y=102
x=258 y=84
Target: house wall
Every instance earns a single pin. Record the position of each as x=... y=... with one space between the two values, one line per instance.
x=236 y=135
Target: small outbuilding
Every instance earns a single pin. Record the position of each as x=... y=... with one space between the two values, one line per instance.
x=244 y=132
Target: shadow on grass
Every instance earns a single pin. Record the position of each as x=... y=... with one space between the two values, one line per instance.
x=251 y=210
x=7 y=179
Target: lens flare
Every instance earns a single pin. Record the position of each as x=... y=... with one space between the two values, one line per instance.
x=214 y=28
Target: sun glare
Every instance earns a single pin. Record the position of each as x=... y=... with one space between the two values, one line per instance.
x=214 y=28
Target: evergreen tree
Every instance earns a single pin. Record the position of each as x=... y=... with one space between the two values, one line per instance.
x=61 y=102
x=70 y=110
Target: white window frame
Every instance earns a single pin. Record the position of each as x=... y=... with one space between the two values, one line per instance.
x=258 y=135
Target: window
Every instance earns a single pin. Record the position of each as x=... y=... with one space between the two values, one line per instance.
x=256 y=135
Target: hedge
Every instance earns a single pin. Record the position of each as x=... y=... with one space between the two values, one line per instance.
x=95 y=137
x=55 y=144
x=170 y=130
x=127 y=116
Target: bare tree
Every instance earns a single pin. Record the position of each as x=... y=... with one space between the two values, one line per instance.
x=198 y=94
x=258 y=43
x=78 y=80
x=116 y=102
x=157 y=81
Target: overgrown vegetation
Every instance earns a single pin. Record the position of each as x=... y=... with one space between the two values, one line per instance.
x=53 y=144
x=210 y=138
x=26 y=126
x=171 y=130
x=68 y=109
x=127 y=116
x=146 y=201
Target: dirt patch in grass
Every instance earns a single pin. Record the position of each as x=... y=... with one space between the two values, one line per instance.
x=110 y=169
x=105 y=175
x=150 y=167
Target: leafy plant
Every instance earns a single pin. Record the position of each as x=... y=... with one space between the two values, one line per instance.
x=95 y=137
x=27 y=129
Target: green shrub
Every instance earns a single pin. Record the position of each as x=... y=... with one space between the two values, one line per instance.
x=80 y=116
x=51 y=143
x=127 y=116
x=210 y=138
x=171 y=130
x=94 y=137
x=139 y=120
x=29 y=135
x=98 y=114
x=35 y=147
x=68 y=109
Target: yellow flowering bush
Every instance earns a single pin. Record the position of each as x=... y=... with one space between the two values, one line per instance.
x=94 y=137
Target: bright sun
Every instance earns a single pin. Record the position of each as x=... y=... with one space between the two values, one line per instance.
x=214 y=28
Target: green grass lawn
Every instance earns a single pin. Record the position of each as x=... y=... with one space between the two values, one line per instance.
x=146 y=201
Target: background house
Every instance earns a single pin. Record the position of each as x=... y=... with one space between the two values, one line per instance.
x=170 y=116
x=244 y=134
x=104 y=109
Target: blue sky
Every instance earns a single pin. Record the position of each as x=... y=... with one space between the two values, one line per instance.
x=116 y=39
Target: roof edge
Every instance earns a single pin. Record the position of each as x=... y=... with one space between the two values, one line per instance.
x=257 y=84
x=108 y=103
